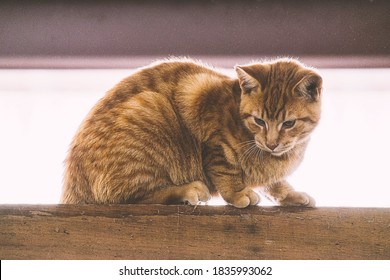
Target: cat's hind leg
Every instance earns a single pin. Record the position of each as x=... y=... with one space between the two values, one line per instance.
x=284 y=194
x=191 y=193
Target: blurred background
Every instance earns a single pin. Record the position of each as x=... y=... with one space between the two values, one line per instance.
x=58 y=58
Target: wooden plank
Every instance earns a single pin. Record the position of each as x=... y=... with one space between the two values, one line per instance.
x=186 y=232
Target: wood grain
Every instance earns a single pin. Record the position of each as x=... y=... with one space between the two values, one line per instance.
x=186 y=232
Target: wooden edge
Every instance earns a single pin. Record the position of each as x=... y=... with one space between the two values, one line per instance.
x=222 y=61
x=187 y=232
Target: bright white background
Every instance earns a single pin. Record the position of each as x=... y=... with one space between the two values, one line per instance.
x=346 y=164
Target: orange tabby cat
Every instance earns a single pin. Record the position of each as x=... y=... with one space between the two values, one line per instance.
x=177 y=131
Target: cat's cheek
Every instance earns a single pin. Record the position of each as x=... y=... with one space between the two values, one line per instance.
x=259 y=132
x=253 y=128
x=259 y=139
x=291 y=136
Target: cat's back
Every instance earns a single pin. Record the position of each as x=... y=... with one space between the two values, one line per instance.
x=162 y=76
x=174 y=78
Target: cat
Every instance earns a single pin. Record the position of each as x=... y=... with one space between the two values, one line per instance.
x=178 y=131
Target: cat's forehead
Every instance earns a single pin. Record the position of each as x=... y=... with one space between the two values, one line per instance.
x=277 y=100
x=282 y=75
x=277 y=112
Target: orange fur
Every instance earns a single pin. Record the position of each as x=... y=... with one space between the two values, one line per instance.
x=177 y=131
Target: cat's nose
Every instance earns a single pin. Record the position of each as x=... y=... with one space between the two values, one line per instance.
x=272 y=146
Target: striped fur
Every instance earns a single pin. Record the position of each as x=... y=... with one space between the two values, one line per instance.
x=177 y=131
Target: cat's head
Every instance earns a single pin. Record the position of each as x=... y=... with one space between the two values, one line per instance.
x=280 y=103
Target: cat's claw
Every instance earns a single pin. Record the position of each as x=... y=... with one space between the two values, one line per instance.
x=298 y=199
x=245 y=198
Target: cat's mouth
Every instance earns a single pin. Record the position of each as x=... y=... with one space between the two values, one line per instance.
x=277 y=152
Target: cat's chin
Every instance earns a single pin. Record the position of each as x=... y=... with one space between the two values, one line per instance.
x=280 y=153
x=277 y=154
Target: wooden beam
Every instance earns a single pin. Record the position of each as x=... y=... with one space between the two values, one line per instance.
x=186 y=232
x=223 y=61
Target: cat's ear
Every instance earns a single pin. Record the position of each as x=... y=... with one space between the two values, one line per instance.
x=310 y=86
x=248 y=82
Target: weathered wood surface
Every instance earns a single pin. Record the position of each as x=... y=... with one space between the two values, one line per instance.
x=185 y=232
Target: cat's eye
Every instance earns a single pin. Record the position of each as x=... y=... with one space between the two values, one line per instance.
x=288 y=124
x=259 y=121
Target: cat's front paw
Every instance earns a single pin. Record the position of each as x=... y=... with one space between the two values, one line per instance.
x=244 y=198
x=294 y=198
x=196 y=192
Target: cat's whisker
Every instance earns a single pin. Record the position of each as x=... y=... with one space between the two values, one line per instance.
x=245 y=144
x=252 y=152
x=246 y=154
x=246 y=151
x=260 y=154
